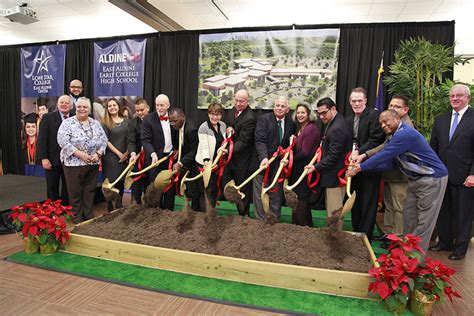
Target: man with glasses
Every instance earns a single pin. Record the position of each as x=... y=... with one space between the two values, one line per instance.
x=157 y=142
x=367 y=134
x=395 y=182
x=336 y=143
x=241 y=120
x=75 y=92
x=452 y=138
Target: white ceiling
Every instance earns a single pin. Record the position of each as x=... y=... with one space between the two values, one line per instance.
x=68 y=19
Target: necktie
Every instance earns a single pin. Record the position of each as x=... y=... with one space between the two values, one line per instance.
x=236 y=115
x=65 y=116
x=280 y=131
x=356 y=125
x=163 y=118
x=455 y=124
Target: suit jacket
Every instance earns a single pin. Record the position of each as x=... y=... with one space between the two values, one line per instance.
x=337 y=142
x=266 y=137
x=190 y=144
x=134 y=141
x=47 y=146
x=152 y=136
x=457 y=154
x=370 y=134
x=244 y=127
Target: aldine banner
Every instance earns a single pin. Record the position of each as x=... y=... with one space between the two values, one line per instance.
x=42 y=70
x=119 y=67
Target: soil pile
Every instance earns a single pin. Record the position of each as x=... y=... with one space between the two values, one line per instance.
x=232 y=236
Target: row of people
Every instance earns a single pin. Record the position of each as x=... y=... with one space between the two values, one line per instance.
x=255 y=140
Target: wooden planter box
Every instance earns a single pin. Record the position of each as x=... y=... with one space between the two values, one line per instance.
x=279 y=275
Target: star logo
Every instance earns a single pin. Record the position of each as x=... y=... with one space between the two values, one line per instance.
x=43 y=62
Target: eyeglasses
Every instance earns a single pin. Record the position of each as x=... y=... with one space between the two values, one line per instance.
x=396 y=107
x=457 y=96
x=75 y=87
x=323 y=113
x=215 y=114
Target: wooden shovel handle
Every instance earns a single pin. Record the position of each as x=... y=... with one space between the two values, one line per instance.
x=124 y=172
x=305 y=171
x=277 y=174
x=153 y=165
x=253 y=175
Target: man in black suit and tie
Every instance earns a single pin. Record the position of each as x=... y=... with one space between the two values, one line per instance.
x=272 y=130
x=134 y=147
x=49 y=150
x=452 y=138
x=188 y=131
x=367 y=134
x=157 y=142
x=336 y=143
x=242 y=120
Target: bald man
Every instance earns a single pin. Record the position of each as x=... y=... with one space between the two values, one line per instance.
x=156 y=135
x=75 y=92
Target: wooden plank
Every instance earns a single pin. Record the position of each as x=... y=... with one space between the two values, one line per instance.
x=309 y=279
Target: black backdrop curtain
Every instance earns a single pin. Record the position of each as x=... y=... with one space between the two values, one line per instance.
x=361 y=47
x=172 y=65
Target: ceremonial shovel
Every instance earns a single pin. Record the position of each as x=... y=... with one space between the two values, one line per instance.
x=264 y=194
x=129 y=178
x=205 y=174
x=351 y=196
x=163 y=179
x=232 y=192
x=290 y=196
x=108 y=188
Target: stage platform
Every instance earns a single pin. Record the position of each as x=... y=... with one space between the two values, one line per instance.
x=17 y=189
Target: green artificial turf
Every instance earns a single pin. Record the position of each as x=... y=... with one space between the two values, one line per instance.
x=209 y=288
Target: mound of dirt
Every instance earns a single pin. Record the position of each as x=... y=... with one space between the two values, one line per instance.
x=232 y=236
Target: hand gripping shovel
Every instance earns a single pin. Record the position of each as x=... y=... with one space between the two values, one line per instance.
x=290 y=196
x=164 y=178
x=129 y=178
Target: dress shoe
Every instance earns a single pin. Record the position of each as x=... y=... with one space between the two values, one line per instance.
x=438 y=247
x=455 y=256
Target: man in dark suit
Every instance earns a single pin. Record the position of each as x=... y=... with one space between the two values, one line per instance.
x=272 y=130
x=367 y=134
x=242 y=120
x=452 y=138
x=134 y=147
x=188 y=131
x=157 y=142
x=336 y=143
x=49 y=150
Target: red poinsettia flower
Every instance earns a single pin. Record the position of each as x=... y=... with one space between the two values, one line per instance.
x=407 y=242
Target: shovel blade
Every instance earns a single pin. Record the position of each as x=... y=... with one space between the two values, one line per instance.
x=265 y=202
x=163 y=179
x=106 y=184
x=291 y=198
x=348 y=205
x=206 y=174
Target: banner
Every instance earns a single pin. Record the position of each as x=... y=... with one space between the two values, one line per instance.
x=119 y=67
x=42 y=70
x=298 y=64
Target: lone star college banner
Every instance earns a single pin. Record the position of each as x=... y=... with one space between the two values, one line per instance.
x=42 y=70
x=119 y=67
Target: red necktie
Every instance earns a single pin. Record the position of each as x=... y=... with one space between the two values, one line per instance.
x=163 y=118
x=236 y=114
x=65 y=116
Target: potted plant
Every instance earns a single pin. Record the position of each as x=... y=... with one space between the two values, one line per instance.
x=406 y=273
x=394 y=279
x=42 y=226
x=419 y=71
x=433 y=282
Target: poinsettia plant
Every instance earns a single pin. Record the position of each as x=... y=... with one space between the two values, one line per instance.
x=44 y=222
x=405 y=269
x=434 y=281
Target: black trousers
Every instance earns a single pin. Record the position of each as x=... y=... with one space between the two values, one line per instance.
x=364 y=211
x=54 y=178
x=82 y=182
x=138 y=188
x=455 y=218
